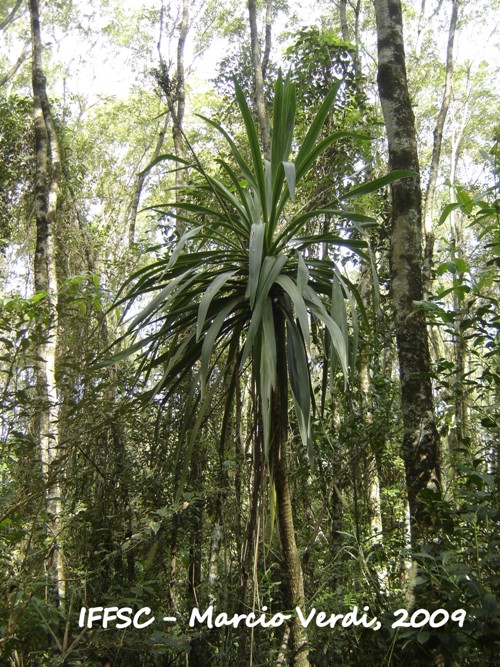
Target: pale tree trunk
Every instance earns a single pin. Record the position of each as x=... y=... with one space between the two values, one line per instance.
x=48 y=172
x=260 y=102
x=347 y=33
x=213 y=559
x=178 y=105
x=267 y=37
x=425 y=24
x=15 y=67
x=140 y=179
x=421 y=440
x=436 y=149
x=368 y=394
x=344 y=26
x=11 y=16
x=372 y=477
x=175 y=93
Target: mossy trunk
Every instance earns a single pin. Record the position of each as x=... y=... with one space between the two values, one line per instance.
x=421 y=440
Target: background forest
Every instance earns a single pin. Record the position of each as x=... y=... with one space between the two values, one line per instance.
x=249 y=330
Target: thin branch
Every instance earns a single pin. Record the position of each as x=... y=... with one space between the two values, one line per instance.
x=15 y=67
x=11 y=17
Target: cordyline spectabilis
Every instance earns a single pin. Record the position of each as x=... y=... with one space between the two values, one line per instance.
x=241 y=261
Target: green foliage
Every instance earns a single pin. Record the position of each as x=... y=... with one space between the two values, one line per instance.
x=248 y=261
x=465 y=570
x=17 y=160
x=318 y=59
x=148 y=484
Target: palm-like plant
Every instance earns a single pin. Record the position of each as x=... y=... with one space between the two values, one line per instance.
x=243 y=285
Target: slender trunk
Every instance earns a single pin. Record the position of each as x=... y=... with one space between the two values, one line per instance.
x=48 y=171
x=15 y=67
x=458 y=434
x=180 y=104
x=294 y=582
x=133 y=206
x=372 y=476
x=267 y=38
x=200 y=653
x=347 y=33
x=425 y=24
x=344 y=26
x=11 y=16
x=260 y=102
x=421 y=440
x=213 y=561
x=175 y=93
x=436 y=150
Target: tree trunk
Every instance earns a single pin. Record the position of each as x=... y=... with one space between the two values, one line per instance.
x=180 y=104
x=48 y=172
x=260 y=102
x=458 y=435
x=294 y=582
x=140 y=179
x=421 y=441
x=16 y=66
x=436 y=150
x=347 y=33
x=175 y=93
x=11 y=15
x=372 y=477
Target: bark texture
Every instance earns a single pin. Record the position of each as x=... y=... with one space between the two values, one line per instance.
x=421 y=441
x=48 y=172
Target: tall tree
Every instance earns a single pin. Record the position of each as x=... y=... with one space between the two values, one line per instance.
x=47 y=191
x=248 y=292
x=437 y=145
x=421 y=440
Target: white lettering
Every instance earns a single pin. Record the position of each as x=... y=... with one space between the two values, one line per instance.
x=195 y=616
x=146 y=611
x=305 y=621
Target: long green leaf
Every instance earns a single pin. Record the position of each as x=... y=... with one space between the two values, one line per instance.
x=335 y=333
x=316 y=126
x=256 y=246
x=271 y=269
x=298 y=302
x=311 y=157
x=297 y=222
x=290 y=178
x=254 y=145
x=206 y=300
x=298 y=371
x=245 y=168
x=267 y=379
x=302 y=273
x=181 y=243
x=373 y=186
x=338 y=310
x=159 y=300
x=162 y=158
x=211 y=337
